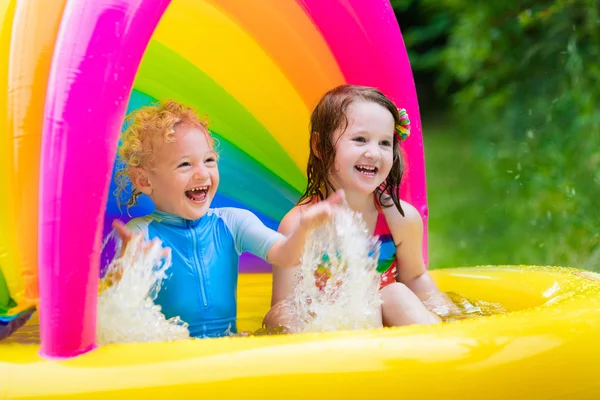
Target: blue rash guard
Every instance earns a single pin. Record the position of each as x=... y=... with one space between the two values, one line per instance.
x=201 y=284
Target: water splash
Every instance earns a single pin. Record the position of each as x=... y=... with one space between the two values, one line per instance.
x=338 y=284
x=466 y=308
x=126 y=311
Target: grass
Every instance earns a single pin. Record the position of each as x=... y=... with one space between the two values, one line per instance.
x=470 y=222
x=453 y=188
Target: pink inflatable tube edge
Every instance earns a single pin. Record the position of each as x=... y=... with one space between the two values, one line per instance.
x=97 y=54
x=370 y=51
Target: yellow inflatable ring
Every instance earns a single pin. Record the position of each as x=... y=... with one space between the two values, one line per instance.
x=545 y=347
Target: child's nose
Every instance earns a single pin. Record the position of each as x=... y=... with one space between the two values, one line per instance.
x=372 y=153
x=201 y=173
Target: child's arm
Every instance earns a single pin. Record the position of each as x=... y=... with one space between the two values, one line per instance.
x=286 y=252
x=284 y=277
x=253 y=236
x=408 y=231
x=280 y=316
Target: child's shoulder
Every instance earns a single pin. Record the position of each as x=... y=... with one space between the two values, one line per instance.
x=411 y=214
x=410 y=223
x=234 y=217
x=225 y=212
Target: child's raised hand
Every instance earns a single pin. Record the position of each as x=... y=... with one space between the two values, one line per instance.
x=286 y=252
x=124 y=234
x=127 y=236
x=323 y=210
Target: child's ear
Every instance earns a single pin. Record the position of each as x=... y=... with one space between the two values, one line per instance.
x=314 y=144
x=139 y=178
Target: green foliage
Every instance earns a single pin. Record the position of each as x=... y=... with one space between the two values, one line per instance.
x=424 y=30
x=522 y=78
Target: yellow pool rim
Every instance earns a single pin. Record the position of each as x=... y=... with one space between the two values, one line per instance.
x=547 y=346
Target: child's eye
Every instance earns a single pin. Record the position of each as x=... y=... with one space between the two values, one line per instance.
x=359 y=139
x=210 y=160
x=386 y=143
x=184 y=164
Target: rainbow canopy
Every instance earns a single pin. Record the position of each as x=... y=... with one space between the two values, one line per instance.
x=254 y=68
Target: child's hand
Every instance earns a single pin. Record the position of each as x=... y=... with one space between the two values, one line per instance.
x=286 y=252
x=126 y=236
x=323 y=210
x=441 y=305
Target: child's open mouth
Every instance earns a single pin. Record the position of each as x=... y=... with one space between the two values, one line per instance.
x=197 y=194
x=366 y=170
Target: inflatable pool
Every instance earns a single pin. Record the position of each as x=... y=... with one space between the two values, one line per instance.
x=255 y=68
x=545 y=347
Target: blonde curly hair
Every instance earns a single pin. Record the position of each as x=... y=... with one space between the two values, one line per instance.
x=149 y=127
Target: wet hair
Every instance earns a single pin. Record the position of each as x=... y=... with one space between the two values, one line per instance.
x=150 y=127
x=330 y=115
